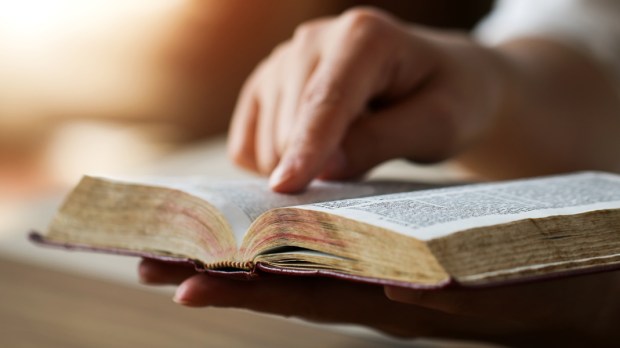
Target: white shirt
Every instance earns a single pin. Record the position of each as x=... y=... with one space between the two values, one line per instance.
x=589 y=25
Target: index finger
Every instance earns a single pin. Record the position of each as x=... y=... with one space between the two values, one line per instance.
x=351 y=71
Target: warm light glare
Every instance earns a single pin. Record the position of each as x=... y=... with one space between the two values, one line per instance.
x=70 y=54
x=38 y=19
x=23 y=19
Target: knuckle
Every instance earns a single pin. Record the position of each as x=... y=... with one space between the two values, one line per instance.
x=279 y=51
x=362 y=14
x=248 y=89
x=365 y=20
x=281 y=47
x=258 y=75
x=307 y=31
x=321 y=95
x=270 y=63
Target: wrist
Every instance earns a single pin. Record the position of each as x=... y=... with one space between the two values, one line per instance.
x=559 y=113
x=497 y=152
x=492 y=92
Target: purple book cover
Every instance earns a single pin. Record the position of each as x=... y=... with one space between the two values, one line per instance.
x=262 y=268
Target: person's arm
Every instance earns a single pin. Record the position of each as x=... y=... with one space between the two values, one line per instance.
x=562 y=113
x=346 y=94
x=566 y=59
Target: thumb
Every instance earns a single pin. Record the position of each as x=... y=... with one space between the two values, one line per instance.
x=421 y=129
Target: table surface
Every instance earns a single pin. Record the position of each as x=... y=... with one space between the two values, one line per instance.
x=48 y=308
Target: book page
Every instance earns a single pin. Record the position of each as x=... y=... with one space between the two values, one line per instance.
x=436 y=213
x=242 y=201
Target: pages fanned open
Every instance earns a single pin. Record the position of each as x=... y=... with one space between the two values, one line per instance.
x=386 y=233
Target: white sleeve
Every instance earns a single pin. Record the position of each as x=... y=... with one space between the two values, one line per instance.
x=590 y=25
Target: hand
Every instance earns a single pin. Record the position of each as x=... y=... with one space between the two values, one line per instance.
x=348 y=93
x=571 y=311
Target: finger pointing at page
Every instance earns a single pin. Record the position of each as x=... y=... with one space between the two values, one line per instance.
x=349 y=93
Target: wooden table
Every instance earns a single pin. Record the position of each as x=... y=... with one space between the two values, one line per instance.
x=48 y=308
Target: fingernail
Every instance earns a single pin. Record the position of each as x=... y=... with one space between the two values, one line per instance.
x=280 y=175
x=183 y=302
x=179 y=296
x=178 y=300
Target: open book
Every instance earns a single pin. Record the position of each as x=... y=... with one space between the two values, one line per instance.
x=472 y=235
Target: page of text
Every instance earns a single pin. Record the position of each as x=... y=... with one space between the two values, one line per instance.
x=436 y=213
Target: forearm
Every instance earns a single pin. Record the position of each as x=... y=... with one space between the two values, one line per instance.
x=561 y=113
